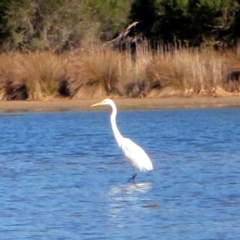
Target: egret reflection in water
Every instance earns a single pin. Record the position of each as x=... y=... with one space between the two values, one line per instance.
x=127 y=204
x=130 y=189
x=135 y=195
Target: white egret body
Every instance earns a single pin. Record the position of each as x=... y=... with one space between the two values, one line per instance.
x=135 y=155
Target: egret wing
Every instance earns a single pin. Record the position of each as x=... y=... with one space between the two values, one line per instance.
x=136 y=155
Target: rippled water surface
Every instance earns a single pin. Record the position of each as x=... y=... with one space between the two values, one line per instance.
x=63 y=177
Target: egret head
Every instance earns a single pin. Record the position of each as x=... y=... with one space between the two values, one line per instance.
x=106 y=101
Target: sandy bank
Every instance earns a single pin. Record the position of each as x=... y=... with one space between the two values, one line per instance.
x=146 y=103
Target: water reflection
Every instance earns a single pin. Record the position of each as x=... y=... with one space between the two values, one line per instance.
x=129 y=189
x=134 y=195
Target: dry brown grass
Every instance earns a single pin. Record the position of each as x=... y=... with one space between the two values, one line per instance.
x=188 y=72
x=92 y=73
x=97 y=72
x=42 y=73
x=38 y=74
x=103 y=72
x=132 y=73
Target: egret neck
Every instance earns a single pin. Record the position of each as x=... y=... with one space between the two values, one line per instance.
x=115 y=130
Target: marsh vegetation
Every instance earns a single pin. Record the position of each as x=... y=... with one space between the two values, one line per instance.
x=97 y=72
x=76 y=49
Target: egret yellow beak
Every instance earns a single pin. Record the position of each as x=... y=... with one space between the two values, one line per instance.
x=96 y=104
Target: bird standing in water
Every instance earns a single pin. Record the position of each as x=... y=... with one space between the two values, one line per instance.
x=135 y=155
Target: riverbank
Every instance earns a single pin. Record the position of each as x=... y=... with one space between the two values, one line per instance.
x=135 y=103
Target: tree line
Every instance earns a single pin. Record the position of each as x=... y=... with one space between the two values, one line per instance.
x=60 y=25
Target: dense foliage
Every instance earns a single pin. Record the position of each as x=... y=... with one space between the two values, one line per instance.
x=60 y=25
x=193 y=22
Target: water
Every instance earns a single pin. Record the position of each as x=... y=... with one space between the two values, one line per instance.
x=63 y=177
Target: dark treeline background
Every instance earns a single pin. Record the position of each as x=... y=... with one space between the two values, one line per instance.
x=60 y=25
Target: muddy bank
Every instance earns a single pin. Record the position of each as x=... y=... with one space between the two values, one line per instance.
x=146 y=103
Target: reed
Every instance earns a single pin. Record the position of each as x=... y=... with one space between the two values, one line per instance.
x=42 y=73
x=39 y=73
x=5 y=73
x=188 y=72
x=101 y=72
x=134 y=82
x=96 y=72
x=92 y=73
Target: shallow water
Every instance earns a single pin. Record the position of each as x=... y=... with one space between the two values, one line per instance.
x=63 y=177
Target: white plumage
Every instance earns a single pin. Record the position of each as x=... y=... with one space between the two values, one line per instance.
x=135 y=155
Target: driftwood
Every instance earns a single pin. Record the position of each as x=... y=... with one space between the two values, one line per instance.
x=126 y=40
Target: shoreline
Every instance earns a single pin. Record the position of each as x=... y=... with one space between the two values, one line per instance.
x=122 y=103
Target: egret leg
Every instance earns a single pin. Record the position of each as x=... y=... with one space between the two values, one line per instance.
x=133 y=177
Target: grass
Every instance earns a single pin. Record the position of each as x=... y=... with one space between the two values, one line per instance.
x=188 y=72
x=98 y=72
x=37 y=73
x=93 y=73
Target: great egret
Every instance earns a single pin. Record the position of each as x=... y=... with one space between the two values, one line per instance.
x=135 y=155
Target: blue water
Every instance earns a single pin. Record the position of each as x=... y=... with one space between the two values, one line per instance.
x=62 y=176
